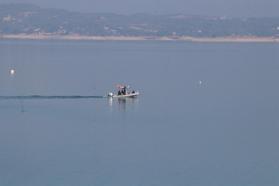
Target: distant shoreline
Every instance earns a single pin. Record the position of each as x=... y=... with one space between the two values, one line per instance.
x=227 y=39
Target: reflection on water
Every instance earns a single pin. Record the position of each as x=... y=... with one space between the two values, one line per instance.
x=122 y=104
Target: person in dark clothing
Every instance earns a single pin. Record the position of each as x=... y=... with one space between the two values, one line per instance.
x=124 y=90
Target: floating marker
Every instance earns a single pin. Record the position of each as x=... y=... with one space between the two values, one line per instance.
x=200 y=82
x=12 y=72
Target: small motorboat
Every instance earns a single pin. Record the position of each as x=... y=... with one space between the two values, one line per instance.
x=123 y=92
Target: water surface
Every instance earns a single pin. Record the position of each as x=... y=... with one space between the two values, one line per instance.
x=207 y=114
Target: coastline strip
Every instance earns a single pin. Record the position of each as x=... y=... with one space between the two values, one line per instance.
x=75 y=37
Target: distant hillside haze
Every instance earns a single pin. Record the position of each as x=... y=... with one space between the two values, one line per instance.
x=30 y=19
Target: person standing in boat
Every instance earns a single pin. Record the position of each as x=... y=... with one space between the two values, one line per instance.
x=123 y=90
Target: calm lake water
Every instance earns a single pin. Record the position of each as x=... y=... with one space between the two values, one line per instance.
x=208 y=114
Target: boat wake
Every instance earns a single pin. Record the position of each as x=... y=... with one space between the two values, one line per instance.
x=50 y=97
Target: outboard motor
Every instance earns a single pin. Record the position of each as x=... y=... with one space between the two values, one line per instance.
x=110 y=94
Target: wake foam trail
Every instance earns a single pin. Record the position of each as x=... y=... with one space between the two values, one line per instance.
x=51 y=97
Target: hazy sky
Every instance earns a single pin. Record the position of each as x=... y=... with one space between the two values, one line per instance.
x=239 y=8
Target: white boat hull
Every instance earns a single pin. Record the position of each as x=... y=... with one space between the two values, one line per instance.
x=129 y=95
